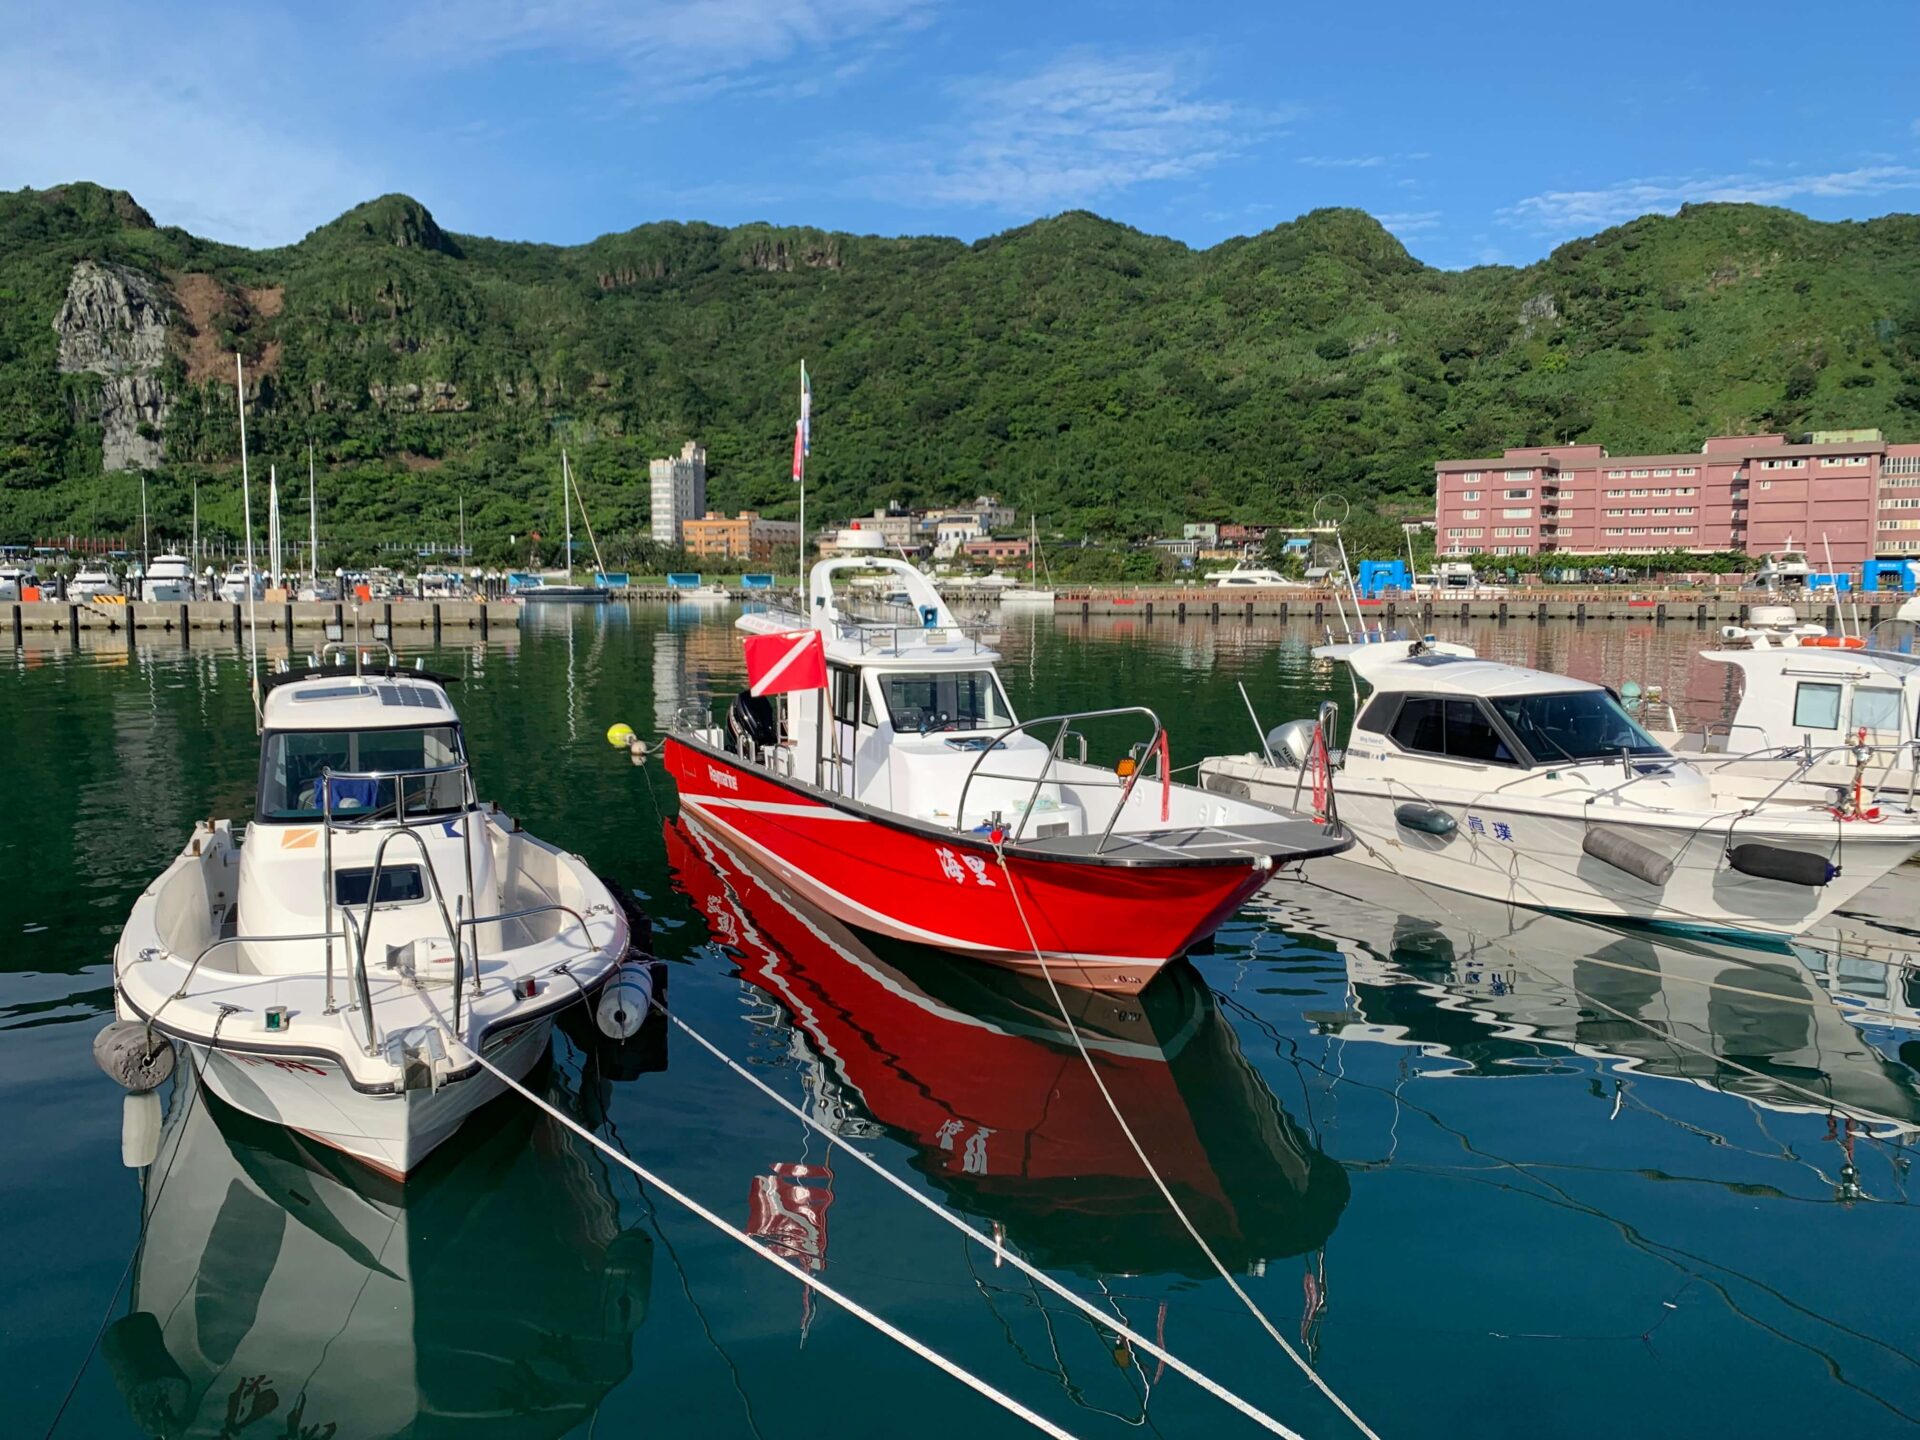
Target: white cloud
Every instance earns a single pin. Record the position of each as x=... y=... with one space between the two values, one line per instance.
x=1086 y=125
x=199 y=146
x=1411 y=222
x=1578 y=211
x=671 y=47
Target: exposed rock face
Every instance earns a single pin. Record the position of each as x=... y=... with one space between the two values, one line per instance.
x=114 y=324
x=778 y=256
x=435 y=397
x=1538 y=310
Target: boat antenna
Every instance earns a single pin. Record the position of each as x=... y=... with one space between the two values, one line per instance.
x=246 y=507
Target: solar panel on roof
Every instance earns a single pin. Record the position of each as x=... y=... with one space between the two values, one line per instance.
x=389 y=694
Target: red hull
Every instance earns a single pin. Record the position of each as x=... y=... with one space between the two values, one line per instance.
x=1104 y=924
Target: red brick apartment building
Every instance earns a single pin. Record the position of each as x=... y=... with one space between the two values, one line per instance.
x=1847 y=491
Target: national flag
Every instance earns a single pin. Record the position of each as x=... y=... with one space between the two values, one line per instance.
x=806 y=412
x=799 y=452
x=790 y=660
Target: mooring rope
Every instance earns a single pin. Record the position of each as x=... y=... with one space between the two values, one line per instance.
x=846 y=1302
x=1167 y=1194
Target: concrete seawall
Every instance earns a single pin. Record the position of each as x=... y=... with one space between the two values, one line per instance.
x=1538 y=606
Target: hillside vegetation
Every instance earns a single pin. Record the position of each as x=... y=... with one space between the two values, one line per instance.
x=1115 y=382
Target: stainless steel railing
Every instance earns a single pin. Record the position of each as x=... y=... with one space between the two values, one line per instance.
x=1062 y=734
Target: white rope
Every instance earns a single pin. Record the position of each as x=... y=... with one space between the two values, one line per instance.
x=1127 y=1130
x=1126 y=1332
x=892 y=1332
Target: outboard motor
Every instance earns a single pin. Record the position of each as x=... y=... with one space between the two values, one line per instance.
x=1291 y=743
x=750 y=724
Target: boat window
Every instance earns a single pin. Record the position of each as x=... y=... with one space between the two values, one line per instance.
x=846 y=694
x=291 y=763
x=1574 y=725
x=1378 y=714
x=945 y=700
x=1875 y=708
x=398 y=885
x=1457 y=728
x=1816 y=706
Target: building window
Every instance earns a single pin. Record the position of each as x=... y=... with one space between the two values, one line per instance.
x=1616 y=474
x=1522 y=513
x=1470 y=495
x=1685 y=470
x=1519 y=494
x=1471 y=477
x=1639 y=475
x=1519 y=474
x=1469 y=514
x=1665 y=470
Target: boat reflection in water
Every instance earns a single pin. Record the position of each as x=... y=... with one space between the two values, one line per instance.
x=1499 y=989
x=973 y=1068
x=280 y=1289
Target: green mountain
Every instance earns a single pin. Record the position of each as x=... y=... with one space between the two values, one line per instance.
x=1114 y=381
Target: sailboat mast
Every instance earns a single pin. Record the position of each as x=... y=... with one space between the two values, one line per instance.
x=246 y=508
x=146 y=546
x=273 y=525
x=313 y=526
x=566 y=506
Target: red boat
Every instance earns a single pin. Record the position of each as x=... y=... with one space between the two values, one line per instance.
x=973 y=1068
x=904 y=798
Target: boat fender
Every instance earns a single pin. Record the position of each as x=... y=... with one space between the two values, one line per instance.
x=1427 y=819
x=1623 y=852
x=139 y=1129
x=132 y=1057
x=1776 y=862
x=625 y=1000
x=146 y=1374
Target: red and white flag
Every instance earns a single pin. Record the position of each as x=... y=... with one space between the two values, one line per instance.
x=780 y=664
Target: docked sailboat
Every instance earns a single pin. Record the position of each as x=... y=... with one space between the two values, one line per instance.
x=336 y=966
x=565 y=592
x=894 y=788
x=1541 y=790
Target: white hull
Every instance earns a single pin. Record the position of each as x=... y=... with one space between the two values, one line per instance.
x=166 y=592
x=1026 y=597
x=392 y=1132
x=1533 y=855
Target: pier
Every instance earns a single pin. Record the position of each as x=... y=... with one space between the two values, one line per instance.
x=1537 y=606
x=75 y=617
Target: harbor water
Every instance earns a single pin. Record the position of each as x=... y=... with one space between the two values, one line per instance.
x=1491 y=1174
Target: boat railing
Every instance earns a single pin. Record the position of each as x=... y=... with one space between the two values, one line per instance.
x=1063 y=732
x=1863 y=753
x=890 y=638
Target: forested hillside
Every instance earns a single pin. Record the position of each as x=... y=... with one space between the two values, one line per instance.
x=1115 y=382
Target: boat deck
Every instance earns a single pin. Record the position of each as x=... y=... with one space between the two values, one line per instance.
x=1278 y=840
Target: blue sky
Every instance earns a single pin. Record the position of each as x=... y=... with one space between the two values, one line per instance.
x=1478 y=133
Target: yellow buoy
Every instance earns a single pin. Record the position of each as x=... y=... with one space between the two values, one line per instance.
x=620 y=735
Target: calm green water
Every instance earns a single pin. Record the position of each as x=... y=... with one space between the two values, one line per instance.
x=1564 y=1182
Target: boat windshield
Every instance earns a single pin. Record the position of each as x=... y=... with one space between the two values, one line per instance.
x=291 y=763
x=945 y=700
x=1574 y=725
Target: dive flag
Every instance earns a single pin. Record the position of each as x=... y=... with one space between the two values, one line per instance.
x=791 y=660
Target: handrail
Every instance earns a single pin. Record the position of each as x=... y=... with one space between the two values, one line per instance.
x=1000 y=737
x=181 y=993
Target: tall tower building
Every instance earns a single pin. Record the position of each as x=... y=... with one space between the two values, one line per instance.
x=679 y=492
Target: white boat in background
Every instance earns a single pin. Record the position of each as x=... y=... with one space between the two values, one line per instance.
x=93 y=583
x=565 y=592
x=1244 y=576
x=1785 y=571
x=238 y=581
x=15 y=580
x=1031 y=593
x=699 y=593
x=1541 y=790
x=336 y=968
x=1825 y=719
x=169 y=580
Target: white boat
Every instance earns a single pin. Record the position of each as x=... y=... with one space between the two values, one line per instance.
x=1250 y=577
x=1026 y=595
x=699 y=594
x=16 y=580
x=234 y=585
x=1031 y=593
x=168 y=580
x=277 y=1292
x=1825 y=719
x=565 y=592
x=93 y=583
x=336 y=967
x=1785 y=571
x=1541 y=790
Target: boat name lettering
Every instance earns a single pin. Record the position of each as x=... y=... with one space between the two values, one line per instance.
x=957 y=867
x=1500 y=829
x=722 y=779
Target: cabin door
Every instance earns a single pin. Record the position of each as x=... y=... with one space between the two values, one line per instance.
x=843 y=685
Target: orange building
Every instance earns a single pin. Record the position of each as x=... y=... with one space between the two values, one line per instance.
x=745 y=537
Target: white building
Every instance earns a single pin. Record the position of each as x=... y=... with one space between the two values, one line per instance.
x=679 y=492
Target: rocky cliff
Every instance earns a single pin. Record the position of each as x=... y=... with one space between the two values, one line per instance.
x=114 y=325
